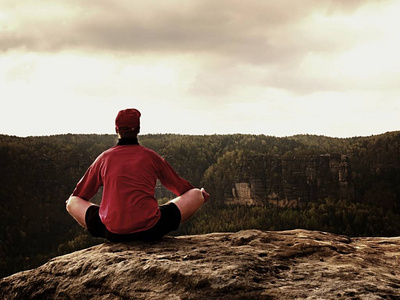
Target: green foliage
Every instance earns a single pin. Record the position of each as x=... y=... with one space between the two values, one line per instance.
x=341 y=217
x=39 y=173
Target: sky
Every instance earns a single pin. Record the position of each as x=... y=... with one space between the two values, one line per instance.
x=279 y=68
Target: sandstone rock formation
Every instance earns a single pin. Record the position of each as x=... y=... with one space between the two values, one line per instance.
x=248 y=264
x=291 y=181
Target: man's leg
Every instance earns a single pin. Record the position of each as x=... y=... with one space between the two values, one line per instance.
x=77 y=208
x=190 y=202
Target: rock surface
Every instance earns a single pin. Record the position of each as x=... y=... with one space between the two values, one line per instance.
x=249 y=264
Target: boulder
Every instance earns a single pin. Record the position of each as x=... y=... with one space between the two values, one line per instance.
x=249 y=264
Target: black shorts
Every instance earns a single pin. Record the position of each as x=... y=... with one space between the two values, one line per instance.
x=169 y=221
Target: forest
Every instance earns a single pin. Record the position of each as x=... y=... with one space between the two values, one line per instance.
x=39 y=174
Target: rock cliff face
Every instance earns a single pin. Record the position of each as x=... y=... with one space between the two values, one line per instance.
x=293 y=181
x=244 y=265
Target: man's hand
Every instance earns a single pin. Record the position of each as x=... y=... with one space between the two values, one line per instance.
x=206 y=195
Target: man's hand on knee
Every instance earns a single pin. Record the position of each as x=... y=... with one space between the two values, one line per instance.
x=206 y=195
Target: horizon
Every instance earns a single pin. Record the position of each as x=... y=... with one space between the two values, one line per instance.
x=319 y=67
x=222 y=134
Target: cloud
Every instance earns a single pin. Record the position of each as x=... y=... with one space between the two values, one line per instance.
x=206 y=56
x=254 y=30
x=244 y=32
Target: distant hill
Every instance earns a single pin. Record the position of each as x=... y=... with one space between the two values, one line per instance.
x=39 y=174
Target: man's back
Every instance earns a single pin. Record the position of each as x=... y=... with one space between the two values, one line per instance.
x=129 y=174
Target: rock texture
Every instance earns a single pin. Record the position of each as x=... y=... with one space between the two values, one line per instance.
x=248 y=264
x=292 y=181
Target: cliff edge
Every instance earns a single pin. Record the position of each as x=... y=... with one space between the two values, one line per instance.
x=249 y=264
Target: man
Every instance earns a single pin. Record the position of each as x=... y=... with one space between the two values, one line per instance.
x=128 y=173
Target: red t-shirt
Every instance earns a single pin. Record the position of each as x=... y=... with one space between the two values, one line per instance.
x=128 y=174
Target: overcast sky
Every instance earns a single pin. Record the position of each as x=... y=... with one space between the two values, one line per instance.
x=326 y=67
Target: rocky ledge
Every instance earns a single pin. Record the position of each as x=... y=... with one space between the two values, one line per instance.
x=249 y=264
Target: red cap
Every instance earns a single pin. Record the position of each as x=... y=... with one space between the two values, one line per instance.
x=128 y=119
